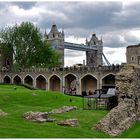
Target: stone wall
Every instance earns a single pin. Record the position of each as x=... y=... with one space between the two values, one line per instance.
x=127 y=112
x=63 y=73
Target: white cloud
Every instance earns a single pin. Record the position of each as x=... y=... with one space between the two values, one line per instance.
x=20 y=12
x=135 y=33
x=115 y=55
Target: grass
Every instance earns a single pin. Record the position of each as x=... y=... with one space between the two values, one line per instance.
x=16 y=100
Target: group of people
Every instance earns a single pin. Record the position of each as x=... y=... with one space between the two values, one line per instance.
x=71 y=90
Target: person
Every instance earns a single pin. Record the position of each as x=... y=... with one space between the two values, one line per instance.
x=90 y=92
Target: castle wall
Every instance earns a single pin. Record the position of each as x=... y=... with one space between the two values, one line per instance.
x=79 y=72
x=127 y=112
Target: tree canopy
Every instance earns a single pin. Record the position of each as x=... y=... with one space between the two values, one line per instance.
x=28 y=47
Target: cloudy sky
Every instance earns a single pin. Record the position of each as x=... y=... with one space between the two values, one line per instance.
x=118 y=22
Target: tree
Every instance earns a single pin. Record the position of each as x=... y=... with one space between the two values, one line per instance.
x=28 y=47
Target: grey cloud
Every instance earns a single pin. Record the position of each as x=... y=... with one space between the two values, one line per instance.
x=128 y=17
x=131 y=39
x=83 y=14
x=24 y=5
x=114 y=40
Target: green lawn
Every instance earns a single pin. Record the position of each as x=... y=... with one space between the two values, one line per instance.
x=17 y=102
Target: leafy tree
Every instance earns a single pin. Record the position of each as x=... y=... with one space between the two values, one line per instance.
x=28 y=47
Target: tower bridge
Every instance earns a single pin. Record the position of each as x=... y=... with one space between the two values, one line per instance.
x=93 y=47
x=63 y=79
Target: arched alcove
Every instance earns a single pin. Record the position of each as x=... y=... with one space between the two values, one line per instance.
x=41 y=82
x=7 y=80
x=17 y=80
x=28 y=80
x=70 y=84
x=88 y=83
x=54 y=83
x=108 y=81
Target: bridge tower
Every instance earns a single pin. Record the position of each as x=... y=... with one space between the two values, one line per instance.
x=94 y=57
x=56 y=39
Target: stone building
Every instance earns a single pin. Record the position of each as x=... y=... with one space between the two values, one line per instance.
x=133 y=54
x=6 y=57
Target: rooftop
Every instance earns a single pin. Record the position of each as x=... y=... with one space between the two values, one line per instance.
x=131 y=46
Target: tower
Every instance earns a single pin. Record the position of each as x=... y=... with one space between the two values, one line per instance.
x=6 y=57
x=133 y=54
x=94 y=57
x=56 y=40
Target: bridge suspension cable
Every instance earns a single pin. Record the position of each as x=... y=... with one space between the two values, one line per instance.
x=107 y=62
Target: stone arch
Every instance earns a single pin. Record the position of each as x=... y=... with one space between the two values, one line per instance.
x=70 y=83
x=54 y=83
x=88 y=83
x=41 y=82
x=28 y=80
x=17 y=80
x=108 y=81
x=7 y=79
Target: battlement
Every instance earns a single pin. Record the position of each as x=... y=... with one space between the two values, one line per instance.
x=68 y=69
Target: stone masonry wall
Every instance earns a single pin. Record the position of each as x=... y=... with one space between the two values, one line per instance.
x=127 y=112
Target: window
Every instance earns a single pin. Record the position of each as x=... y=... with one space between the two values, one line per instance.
x=132 y=59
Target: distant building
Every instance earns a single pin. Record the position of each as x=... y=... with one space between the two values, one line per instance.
x=133 y=54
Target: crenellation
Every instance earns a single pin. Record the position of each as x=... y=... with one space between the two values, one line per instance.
x=58 y=69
